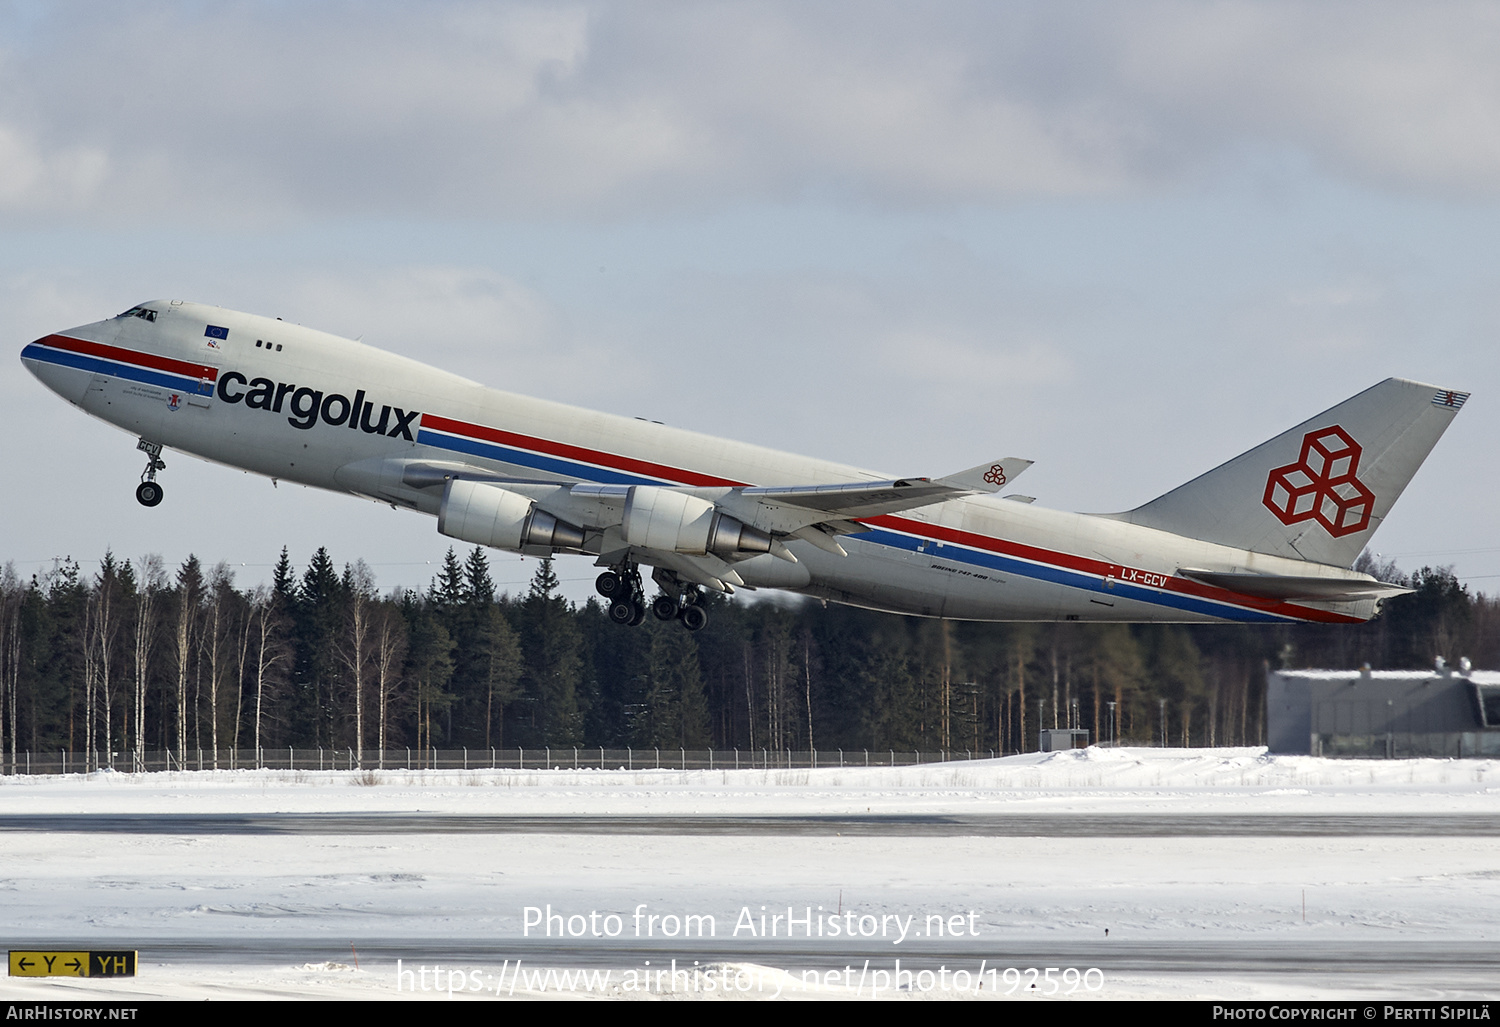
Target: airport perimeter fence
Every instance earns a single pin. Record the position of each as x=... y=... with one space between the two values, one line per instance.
x=315 y=759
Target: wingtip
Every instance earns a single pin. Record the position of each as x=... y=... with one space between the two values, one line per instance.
x=991 y=476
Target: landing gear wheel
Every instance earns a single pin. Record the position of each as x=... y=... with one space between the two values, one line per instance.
x=621 y=585
x=148 y=493
x=694 y=617
x=665 y=608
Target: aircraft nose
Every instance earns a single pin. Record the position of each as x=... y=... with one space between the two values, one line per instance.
x=56 y=368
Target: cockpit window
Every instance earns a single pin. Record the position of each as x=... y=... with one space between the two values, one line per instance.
x=144 y=313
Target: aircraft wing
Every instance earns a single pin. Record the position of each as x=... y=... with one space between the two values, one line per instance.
x=854 y=500
x=799 y=505
x=816 y=514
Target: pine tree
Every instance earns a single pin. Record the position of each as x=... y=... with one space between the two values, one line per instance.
x=499 y=654
x=552 y=647
x=284 y=581
x=676 y=711
x=614 y=677
x=446 y=594
x=479 y=587
x=318 y=617
x=107 y=615
x=429 y=667
x=1174 y=667
x=544 y=583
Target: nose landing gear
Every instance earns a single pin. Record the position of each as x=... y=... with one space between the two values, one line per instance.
x=149 y=492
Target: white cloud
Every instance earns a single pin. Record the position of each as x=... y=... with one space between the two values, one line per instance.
x=1408 y=96
x=471 y=321
x=32 y=177
x=244 y=112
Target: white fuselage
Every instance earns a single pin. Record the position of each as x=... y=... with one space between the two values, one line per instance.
x=278 y=399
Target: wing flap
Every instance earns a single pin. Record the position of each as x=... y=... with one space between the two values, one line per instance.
x=854 y=500
x=857 y=499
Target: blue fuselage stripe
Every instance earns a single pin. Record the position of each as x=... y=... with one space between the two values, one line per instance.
x=115 y=369
x=536 y=461
x=1063 y=576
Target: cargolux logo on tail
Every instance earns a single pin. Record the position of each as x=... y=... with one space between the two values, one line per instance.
x=1322 y=485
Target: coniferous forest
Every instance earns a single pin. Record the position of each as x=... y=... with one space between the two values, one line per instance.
x=144 y=657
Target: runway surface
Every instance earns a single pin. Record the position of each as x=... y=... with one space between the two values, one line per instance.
x=1120 y=954
x=1216 y=876
x=1057 y=825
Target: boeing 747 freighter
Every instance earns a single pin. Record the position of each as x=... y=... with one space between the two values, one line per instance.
x=1270 y=536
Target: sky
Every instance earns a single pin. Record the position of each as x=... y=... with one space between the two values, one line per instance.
x=1126 y=241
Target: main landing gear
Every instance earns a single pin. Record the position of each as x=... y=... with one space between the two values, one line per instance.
x=686 y=607
x=621 y=586
x=679 y=601
x=149 y=492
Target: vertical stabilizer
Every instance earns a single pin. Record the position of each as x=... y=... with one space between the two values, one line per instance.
x=1318 y=491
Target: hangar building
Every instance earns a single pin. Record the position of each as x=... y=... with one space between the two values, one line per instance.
x=1385 y=714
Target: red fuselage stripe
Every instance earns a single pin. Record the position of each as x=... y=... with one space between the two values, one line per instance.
x=562 y=449
x=202 y=372
x=1102 y=569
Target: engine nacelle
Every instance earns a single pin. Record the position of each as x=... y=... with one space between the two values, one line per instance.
x=675 y=522
x=489 y=515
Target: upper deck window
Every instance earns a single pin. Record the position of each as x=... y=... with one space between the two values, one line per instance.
x=144 y=313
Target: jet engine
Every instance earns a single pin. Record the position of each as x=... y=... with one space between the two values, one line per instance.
x=488 y=515
x=673 y=521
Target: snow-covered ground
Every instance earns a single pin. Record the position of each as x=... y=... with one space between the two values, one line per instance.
x=267 y=915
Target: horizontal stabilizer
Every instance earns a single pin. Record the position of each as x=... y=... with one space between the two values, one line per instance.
x=1306 y=589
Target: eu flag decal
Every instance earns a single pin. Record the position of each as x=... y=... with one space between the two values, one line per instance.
x=215 y=332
